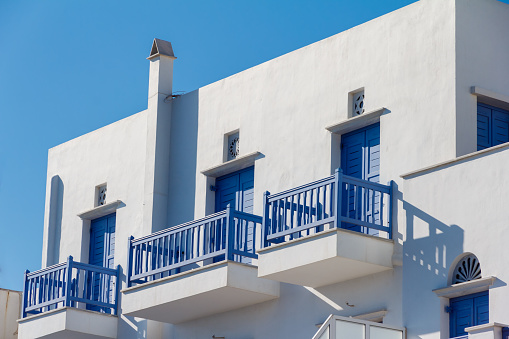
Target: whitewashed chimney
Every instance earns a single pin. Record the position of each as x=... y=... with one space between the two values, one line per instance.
x=158 y=136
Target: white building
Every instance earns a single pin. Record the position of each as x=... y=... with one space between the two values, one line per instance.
x=412 y=106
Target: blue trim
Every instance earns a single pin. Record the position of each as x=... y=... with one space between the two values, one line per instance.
x=59 y=285
x=222 y=234
x=296 y=212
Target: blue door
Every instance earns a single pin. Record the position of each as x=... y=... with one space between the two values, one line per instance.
x=360 y=158
x=467 y=311
x=237 y=189
x=102 y=253
x=492 y=126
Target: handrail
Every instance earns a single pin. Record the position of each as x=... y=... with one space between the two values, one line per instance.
x=69 y=284
x=359 y=205
x=155 y=234
x=228 y=234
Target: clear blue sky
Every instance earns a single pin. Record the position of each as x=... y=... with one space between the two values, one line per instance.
x=70 y=67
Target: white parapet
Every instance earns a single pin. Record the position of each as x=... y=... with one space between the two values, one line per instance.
x=68 y=323
x=198 y=293
x=325 y=258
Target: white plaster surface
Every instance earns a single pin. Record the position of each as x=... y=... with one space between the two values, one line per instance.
x=10 y=309
x=418 y=62
x=69 y=323
x=198 y=293
x=324 y=259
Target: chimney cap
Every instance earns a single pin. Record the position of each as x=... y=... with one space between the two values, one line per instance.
x=161 y=47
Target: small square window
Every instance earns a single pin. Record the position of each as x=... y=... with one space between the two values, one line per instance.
x=357 y=103
x=232 y=146
x=100 y=195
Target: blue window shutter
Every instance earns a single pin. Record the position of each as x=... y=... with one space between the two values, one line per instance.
x=360 y=158
x=372 y=154
x=492 y=126
x=500 y=130
x=102 y=253
x=352 y=152
x=237 y=189
x=481 y=308
x=226 y=192
x=466 y=311
x=483 y=127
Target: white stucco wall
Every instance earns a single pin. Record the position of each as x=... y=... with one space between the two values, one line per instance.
x=456 y=208
x=115 y=155
x=10 y=309
x=281 y=109
x=419 y=63
x=482 y=54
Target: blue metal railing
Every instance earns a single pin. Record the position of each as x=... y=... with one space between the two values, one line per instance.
x=69 y=284
x=229 y=234
x=358 y=205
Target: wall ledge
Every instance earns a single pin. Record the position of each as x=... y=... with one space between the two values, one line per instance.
x=100 y=211
x=232 y=165
x=357 y=122
x=469 y=287
x=490 y=98
x=446 y=163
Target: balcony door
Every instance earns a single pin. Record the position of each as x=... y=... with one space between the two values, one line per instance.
x=102 y=252
x=360 y=158
x=467 y=311
x=237 y=189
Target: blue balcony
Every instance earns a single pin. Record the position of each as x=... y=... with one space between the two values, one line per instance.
x=341 y=233
x=56 y=297
x=196 y=269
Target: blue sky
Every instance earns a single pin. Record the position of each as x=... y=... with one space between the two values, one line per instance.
x=70 y=67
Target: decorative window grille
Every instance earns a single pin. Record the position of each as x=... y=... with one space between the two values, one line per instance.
x=233 y=146
x=358 y=103
x=467 y=269
x=101 y=195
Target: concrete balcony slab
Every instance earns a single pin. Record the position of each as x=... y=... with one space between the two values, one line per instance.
x=198 y=293
x=325 y=258
x=68 y=323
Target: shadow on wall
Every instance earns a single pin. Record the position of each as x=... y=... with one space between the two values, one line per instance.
x=183 y=151
x=55 y=220
x=428 y=251
x=430 y=244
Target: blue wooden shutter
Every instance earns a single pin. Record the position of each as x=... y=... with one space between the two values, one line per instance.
x=500 y=130
x=237 y=189
x=483 y=127
x=102 y=253
x=360 y=158
x=492 y=126
x=470 y=310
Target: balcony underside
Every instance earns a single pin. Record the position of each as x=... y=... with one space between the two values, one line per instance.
x=68 y=323
x=198 y=293
x=325 y=258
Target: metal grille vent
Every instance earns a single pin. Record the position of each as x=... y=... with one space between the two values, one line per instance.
x=101 y=195
x=358 y=103
x=233 y=146
x=467 y=269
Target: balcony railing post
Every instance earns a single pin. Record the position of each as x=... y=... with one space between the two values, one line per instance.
x=229 y=232
x=68 y=282
x=338 y=185
x=391 y=190
x=130 y=251
x=25 y=295
x=117 y=288
x=265 y=219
